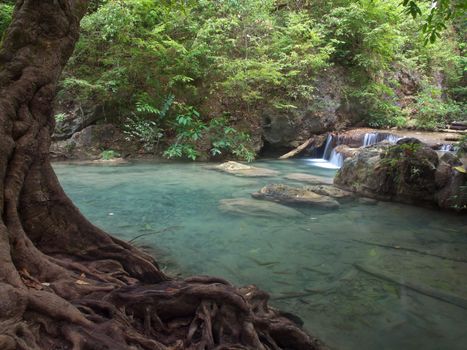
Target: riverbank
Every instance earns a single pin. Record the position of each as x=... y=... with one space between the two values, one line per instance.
x=94 y=142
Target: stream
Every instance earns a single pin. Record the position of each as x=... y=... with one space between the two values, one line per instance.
x=329 y=267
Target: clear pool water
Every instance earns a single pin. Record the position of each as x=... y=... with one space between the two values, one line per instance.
x=308 y=264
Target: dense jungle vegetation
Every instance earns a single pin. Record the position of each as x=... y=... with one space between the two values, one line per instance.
x=200 y=76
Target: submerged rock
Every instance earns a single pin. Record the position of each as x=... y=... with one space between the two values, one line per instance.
x=367 y=201
x=294 y=195
x=251 y=207
x=311 y=179
x=409 y=172
x=240 y=169
x=330 y=191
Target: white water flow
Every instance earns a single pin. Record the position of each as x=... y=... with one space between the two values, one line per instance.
x=328 y=148
x=372 y=138
x=447 y=148
x=330 y=159
x=335 y=160
x=330 y=154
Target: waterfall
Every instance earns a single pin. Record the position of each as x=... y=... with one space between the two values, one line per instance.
x=330 y=154
x=370 y=139
x=446 y=148
x=373 y=138
x=328 y=147
x=392 y=138
x=336 y=158
x=333 y=159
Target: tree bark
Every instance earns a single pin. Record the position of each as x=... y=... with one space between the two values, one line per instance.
x=64 y=283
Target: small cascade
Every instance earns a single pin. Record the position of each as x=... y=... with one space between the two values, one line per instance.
x=373 y=138
x=336 y=158
x=446 y=148
x=329 y=146
x=333 y=159
x=369 y=139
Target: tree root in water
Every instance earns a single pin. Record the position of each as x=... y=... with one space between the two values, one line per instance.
x=414 y=250
x=425 y=290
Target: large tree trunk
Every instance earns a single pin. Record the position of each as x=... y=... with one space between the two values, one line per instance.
x=65 y=284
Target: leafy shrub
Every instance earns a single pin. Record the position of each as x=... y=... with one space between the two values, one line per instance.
x=432 y=111
x=6 y=11
x=109 y=154
x=189 y=129
x=225 y=138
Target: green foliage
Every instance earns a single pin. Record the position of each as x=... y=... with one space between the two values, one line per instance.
x=435 y=17
x=6 y=11
x=189 y=129
x=432 y=112
x=145 y=131
x=143 y=62
x=393 y=155
x=60 y=117
x=225 y=138
x=402 y=163
x=146 y=125
x=109 y=154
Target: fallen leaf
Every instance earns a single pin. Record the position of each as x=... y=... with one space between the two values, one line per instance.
x=460 y=169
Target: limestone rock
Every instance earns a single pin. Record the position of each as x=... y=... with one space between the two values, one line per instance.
x=295 y=195
x=330 y=191
x=251 y=207
x=240 y=169
x=409 y=172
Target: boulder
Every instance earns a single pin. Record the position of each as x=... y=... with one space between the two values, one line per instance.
x=76 y=118
x=346 y=151
x=330 y=191
x=328 y=109
x=251 y=207
x=409 y=172
x=89 y=143
x=240 y=169
x=308 y=178
x=294 y=195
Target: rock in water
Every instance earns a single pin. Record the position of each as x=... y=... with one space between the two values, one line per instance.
x=251 y=207
x=330 y=191
x=240 y=169
x=294 y=195
x=408 y=172
x=367 y=201
x=308 y=178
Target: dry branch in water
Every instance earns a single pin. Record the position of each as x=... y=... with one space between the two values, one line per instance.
x=297 y=150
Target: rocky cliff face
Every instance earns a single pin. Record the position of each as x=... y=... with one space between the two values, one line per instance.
x=408 y=172
x=327 y=110
x=90 y=142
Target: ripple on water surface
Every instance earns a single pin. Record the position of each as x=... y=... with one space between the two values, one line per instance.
x=341 y=271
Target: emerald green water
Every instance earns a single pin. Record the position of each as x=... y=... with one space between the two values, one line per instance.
x=308 y=262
